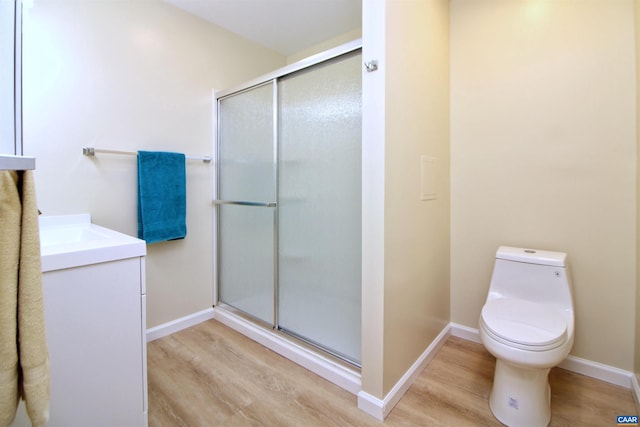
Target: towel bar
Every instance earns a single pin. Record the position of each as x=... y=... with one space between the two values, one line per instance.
x=243 y=203
x=90 y=151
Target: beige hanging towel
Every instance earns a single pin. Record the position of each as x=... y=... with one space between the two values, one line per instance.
x=24 y=359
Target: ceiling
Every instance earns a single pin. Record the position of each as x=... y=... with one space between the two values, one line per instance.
x=286 y=26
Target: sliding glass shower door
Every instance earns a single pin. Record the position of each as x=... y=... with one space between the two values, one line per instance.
x=289 y=196
x=246 y=202
x=319 y=199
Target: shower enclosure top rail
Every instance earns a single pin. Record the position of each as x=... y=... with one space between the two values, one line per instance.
x=296 y=66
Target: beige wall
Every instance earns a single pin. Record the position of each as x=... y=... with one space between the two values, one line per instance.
x=544 y=155
x=637 y=311
x=412 y=303
x=416 y=291
x=129 y=76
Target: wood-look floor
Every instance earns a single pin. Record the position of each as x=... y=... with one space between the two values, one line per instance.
x=210 y=375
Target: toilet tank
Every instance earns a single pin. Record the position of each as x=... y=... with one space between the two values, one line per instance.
x=532 y=275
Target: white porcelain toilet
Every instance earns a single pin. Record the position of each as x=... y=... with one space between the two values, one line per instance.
x=527 y=323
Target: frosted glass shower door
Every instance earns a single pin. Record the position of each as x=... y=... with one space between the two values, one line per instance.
x=246 y=197
x=319 y=204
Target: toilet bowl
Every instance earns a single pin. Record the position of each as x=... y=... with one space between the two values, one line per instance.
x=527 y=323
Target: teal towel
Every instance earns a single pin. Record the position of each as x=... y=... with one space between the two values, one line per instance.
x=162 y=196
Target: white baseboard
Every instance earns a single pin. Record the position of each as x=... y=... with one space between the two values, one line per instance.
x=597 y=370
x=179 y=324
x=371 y=405
x=328 y=369
x=465 y=332
x=575 y=364
x=635 y=387
x=378 y=408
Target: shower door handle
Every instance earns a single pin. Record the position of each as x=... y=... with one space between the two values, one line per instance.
x=243 y=203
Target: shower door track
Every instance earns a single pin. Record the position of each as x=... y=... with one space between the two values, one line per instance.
x=343 y=374
x=292 y=68
x=292 y=337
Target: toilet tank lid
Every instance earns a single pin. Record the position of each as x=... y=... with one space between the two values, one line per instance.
x=532 y=256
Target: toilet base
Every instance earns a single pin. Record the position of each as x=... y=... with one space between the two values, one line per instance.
x=520 y=396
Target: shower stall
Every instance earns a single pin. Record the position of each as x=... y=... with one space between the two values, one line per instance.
x=288 y=198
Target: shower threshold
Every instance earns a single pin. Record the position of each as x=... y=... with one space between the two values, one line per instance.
x=329 y=366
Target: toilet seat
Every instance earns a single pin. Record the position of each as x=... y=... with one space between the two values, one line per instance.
x=523 y=324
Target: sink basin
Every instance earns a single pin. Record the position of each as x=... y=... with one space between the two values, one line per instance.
x=70 y=234
x=68 y=241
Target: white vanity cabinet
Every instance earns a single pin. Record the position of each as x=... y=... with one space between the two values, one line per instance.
x=94 y=317
x=93 y=285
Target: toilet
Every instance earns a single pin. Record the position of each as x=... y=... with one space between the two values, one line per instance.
x=527 y=323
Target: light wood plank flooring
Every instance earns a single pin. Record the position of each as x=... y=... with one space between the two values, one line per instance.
x=210 y=375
